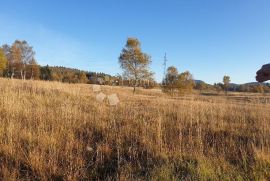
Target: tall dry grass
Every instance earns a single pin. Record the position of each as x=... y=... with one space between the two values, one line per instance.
x=54 y=131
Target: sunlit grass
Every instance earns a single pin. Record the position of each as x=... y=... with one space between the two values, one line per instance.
x=51 y=130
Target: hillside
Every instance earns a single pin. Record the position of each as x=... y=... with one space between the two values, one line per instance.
x=56 y=131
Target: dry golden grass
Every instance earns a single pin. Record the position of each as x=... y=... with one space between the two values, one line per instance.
x=55 y=131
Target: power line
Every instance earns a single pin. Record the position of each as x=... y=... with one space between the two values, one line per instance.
x=165 y=66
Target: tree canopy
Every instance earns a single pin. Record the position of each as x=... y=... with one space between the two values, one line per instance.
x=226 y=82
x=134 y=62
x=3 y=61
x=182 y=82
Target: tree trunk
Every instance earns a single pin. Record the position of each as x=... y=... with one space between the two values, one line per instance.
x=22 y=74
x=12 y=74
x=134 y=87
x=32 y=74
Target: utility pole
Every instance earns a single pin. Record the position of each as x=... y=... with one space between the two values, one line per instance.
x=165 y=66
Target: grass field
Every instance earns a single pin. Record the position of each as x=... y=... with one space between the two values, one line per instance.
x=55 y=131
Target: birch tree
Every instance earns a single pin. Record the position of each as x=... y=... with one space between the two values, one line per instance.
x=134 y=62
x=27 y=55
x=226 y=82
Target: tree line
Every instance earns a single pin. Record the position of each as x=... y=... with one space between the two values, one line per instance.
x=227 y=86
x=18 y=61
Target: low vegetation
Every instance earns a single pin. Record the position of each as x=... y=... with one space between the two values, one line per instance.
x=56 y=131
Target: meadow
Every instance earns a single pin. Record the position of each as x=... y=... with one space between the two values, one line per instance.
x=56 y=131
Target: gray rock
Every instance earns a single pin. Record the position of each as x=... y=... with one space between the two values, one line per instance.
x=100 y=97
x=113 y=99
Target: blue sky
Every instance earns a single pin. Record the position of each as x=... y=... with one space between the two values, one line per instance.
x=210 y=38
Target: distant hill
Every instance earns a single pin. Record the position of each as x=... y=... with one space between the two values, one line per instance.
x=198 y=81
x=64 y=70
x=256 y=83
x=235 y=85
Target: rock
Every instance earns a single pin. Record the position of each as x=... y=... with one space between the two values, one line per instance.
x=100 y=97
x=89 y=149
x=113 y=99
